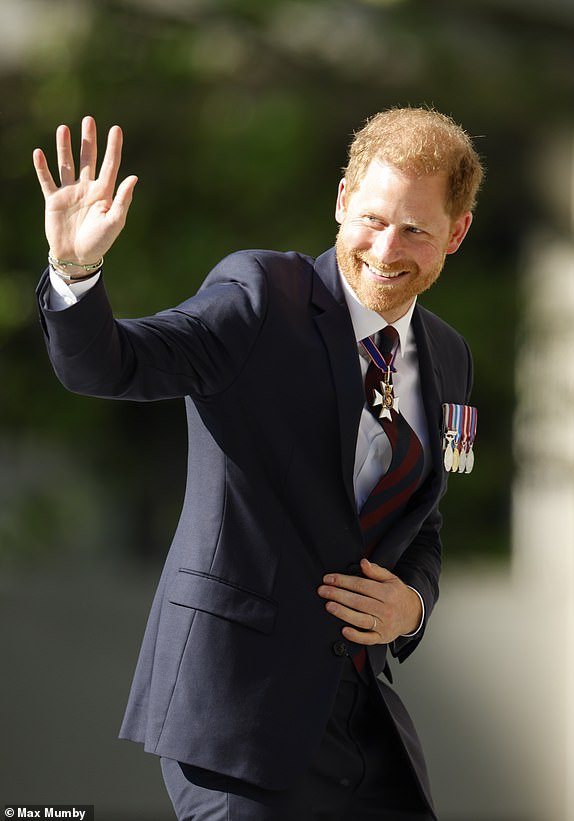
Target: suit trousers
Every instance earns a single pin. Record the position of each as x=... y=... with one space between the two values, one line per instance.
x=361 y=773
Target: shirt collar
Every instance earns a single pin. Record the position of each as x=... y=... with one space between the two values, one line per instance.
x=367 y=322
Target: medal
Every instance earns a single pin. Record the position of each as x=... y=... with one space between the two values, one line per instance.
x=464 y=440
x=471 y=437
x=448 y=448
x=459 y=426
x=386 y=398
x=455 y=459
x=462 y=458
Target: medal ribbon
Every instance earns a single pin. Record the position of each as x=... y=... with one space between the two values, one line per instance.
x=463 y=444
x=377 y=357
x=449 y=416
x=461 y=422
x=472 y=425
x=457 y=424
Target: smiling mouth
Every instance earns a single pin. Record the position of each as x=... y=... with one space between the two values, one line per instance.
x=384 y=275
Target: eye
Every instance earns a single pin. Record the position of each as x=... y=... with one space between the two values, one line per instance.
x=412 y=229
x=372 y=219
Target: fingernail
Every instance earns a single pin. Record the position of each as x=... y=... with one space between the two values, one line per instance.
x=329 y=579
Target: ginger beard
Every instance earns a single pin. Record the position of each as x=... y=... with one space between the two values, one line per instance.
x=384 y=298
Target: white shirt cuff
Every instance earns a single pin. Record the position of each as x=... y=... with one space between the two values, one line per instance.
x=62 y=295
x=411 y=635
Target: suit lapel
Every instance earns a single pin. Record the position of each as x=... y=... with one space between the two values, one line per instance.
x=334 y=324
x=429 y=371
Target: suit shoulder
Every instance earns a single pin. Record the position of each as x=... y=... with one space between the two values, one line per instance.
x=439 y=329
x=267 y=261
x=274 y=275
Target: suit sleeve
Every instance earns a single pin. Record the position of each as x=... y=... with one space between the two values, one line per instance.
x=197 y=348
x=420 y=567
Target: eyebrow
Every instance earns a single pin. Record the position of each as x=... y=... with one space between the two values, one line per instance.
x=423 y=226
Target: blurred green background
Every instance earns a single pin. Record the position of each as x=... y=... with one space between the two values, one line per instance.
x=237 y=115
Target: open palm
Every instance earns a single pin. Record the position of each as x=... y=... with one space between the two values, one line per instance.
x=83 y=216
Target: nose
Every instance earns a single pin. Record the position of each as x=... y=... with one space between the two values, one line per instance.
x=388 y=246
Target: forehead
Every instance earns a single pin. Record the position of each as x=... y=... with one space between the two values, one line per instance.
x=387 y=187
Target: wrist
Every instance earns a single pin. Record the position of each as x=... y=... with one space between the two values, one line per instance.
x=72 y=271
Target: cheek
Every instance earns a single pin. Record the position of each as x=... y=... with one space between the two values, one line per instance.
x=356 y=236
x=427 y=253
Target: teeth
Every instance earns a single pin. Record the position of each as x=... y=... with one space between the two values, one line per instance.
x=387 y=274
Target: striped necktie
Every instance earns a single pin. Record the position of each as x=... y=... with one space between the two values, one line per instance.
x=392 y=492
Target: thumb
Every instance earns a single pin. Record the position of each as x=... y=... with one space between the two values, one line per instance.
x=125 y=190
x=122 y=201
x=376 y=572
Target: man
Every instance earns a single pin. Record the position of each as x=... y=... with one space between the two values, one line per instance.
x=308 y=542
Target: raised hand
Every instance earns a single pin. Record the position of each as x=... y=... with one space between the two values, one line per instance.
x=83 y=216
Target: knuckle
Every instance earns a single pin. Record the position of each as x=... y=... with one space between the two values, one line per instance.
x=359 y=585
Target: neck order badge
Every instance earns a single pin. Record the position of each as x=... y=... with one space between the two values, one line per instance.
x=385 y=398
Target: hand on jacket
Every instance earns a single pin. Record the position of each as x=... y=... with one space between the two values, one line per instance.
x=378 y=594
x=83 y=217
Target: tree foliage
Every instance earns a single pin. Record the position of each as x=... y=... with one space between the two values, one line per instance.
x=236 y=117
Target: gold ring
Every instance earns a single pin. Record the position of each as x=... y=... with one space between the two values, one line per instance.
x=374 y=627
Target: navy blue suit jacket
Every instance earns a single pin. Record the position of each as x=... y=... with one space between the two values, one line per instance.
x=240 y=662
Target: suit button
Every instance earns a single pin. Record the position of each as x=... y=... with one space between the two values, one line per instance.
x=340 y=648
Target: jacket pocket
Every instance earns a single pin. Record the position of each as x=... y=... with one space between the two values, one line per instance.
x=210 y=594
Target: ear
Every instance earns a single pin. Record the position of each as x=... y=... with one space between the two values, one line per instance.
x=458 y=232
x=341 y=206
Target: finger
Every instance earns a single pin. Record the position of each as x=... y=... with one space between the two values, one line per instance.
x=376 y=572
x=65 y=157
x=119 y=208
x=368 y=638
x=364 y=621
x=88 y=149
x=355 y=601
x=125 y=191
x=45 y=178
x=355 y=584
x=340 y=580
x=112 y=159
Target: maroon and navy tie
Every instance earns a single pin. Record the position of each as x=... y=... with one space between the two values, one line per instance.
x=392 y=492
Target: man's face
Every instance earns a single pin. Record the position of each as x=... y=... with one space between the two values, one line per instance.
x=394 y=236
